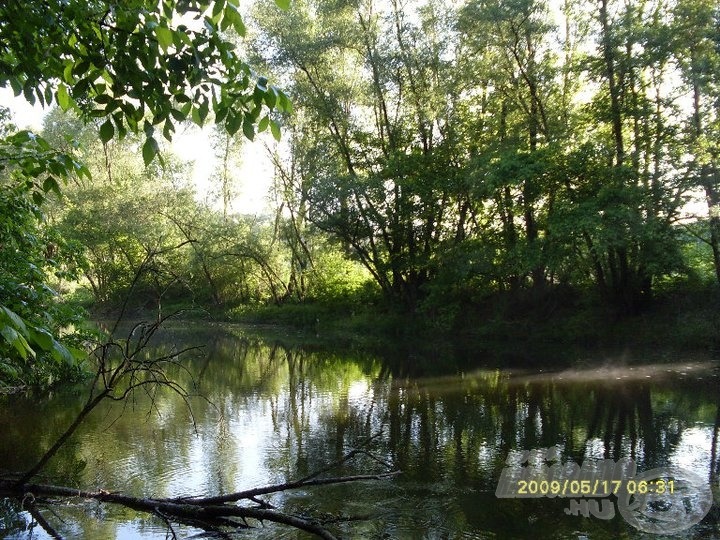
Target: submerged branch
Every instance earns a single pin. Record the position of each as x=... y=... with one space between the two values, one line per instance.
x=211 y=513
x=251 y=493
x=168 y=509
x=202 y=512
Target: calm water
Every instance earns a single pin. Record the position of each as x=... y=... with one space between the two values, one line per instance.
x=271 y=412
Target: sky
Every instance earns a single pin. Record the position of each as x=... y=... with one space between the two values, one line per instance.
x=191 y=143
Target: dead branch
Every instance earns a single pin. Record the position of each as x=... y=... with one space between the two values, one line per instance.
x=121 y=369
x=251 y=493
x=206 y=512
x=201 y=514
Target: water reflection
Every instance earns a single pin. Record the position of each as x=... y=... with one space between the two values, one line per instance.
x=271 y=412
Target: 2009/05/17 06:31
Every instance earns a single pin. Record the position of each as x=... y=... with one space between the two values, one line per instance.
x=575 y=488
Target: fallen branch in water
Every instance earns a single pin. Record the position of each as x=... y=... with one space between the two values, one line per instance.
x=212 y=513
x=123 y=368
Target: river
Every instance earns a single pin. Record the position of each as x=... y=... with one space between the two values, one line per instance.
x=267 y=408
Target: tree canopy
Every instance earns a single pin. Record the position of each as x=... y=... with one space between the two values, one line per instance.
x=483 y=148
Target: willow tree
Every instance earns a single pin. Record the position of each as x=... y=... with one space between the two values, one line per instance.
x=515 y=73
x=628 y=185
x=373 y=86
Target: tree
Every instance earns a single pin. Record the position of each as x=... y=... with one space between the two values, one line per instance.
x=468 y=145
x=642 y=190
x=30 y=253
x=384 y=131
x=697 y=48
x=515 y=71
x=227 y=152
x=140 y=66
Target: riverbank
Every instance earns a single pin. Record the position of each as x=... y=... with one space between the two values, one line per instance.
x=685 y=319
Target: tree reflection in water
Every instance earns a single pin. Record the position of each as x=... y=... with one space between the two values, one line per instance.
x=275 y=411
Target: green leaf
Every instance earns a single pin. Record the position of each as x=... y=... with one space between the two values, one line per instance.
x=270 y=97
x=43 y=144
x=48 y=94
x=18 y=342
x=81 y=170
x=233 y=123
x=13 y=338
x=60 y=353
x=275 y=130
x=167 y=9
x=199 y=113
x=184 y=37
x=196 y=116
x=283 y=4
x=149 y=150
x=107 y=131
x=284 y=103
x=232 y=16
x=16 y=86
x=178 y=115
x=248 y=128
x=42 y=338
x=204 y=109
x=28 y=93
x=218 y=6
x=10 y=316
x=11 y=371
x=164 y=37
x=63 y=97
x=148 y=128
x=263 y=124
x=50 y=184
x=68 y=72
x=221 y=112
x=168 y=130
x=77 y=354
x=81 y=67
x=103 y=99
x=57 y=168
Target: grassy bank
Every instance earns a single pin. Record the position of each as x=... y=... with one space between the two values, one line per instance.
x=682 y=319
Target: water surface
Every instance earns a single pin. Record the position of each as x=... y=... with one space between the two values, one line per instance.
x=267 y=412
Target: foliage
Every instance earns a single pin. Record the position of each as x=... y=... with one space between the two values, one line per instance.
x=135 y=66
x=31 y=315
x=473 y=149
